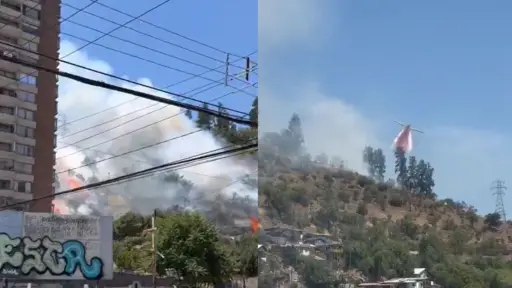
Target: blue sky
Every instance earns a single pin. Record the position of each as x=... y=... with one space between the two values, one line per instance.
x=228 y=25
x=352 y=67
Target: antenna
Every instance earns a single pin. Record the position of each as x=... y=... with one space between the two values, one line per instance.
x=499 y=188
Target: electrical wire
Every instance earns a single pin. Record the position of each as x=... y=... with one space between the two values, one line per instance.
x=105 y=34
x=147 y=96
x=120 y=78
x=128 y=152
x=169 y=31
x=120 y=136
x=138 y=160
x=88 y=42
x=134 y=98
x=138 y=174
x=119 y=27
x=147 y=35
x=147 y=60
x=133 y=119
x=188 y=164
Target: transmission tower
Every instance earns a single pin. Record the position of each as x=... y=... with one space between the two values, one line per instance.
x=499 y=188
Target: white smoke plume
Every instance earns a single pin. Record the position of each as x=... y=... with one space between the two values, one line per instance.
x=212 y=182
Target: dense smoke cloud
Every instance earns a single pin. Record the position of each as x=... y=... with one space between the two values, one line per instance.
x=194 y=187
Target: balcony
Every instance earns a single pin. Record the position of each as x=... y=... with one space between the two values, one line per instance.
x=12 y=5
x=10 y=26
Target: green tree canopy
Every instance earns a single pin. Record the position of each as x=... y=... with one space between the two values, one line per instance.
x=191 y=248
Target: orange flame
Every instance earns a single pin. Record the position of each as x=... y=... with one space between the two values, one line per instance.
x=74 y=183
x=59 y=207
x=255 y=224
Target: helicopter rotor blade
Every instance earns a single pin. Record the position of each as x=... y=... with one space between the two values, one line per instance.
x=400 y=123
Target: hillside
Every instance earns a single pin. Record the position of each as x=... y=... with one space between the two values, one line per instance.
x=376 y=229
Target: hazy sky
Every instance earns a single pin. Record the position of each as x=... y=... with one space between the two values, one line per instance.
x=350 y=68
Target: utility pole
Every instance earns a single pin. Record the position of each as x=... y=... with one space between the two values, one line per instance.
x=152 y=230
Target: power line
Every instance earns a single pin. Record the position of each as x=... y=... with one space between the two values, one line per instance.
x=108 y=86
x=130 y=113
x=191 y=164
x=88 y=42
x=147 y=60
x=115 y=138
x=117 y=77
x=169 y=31
x=135 y=98
x=138 y=174
x=104 y=34
x=148 y=35
x=138 y=160
x=128 y=152
x=119 y=27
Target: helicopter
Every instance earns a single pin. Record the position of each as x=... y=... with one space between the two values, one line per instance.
x=403 y=140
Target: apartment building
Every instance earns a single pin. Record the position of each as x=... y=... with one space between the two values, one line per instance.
x=28 y=102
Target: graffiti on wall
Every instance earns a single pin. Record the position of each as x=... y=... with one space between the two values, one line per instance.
x=23 y=256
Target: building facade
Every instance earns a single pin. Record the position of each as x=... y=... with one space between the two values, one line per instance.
x=28 y=102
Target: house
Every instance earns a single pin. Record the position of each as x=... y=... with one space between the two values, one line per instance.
x=420 y=279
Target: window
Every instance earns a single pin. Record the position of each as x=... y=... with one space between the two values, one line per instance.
x=5 y=184
x=31 y=13
x=54 y=141
x=8 y=74
x=7 y=110
x=8 y=21
x=11 y=4
x=7 y=147
x=25 y=150
x=6 y=164
x=9 y=92
x=24 y=131
x=23 y=167
x=26 y=96
x=28 y=79
x=23 y=186
x=26 y=114
x=6 y=128
x=30 y=30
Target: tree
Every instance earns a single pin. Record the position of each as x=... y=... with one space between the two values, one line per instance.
x=191 y=249
x=411 y=181
x=130 y=225
x=247 y=256
x=204 y=120
x=293 y=137
x=376 y=162
x=253 y=113
x=221 y=124
x=379 y=163
x=425 y=179
x=493 y=220
x=368 y=158
x=188 y=113
x=400 y=167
